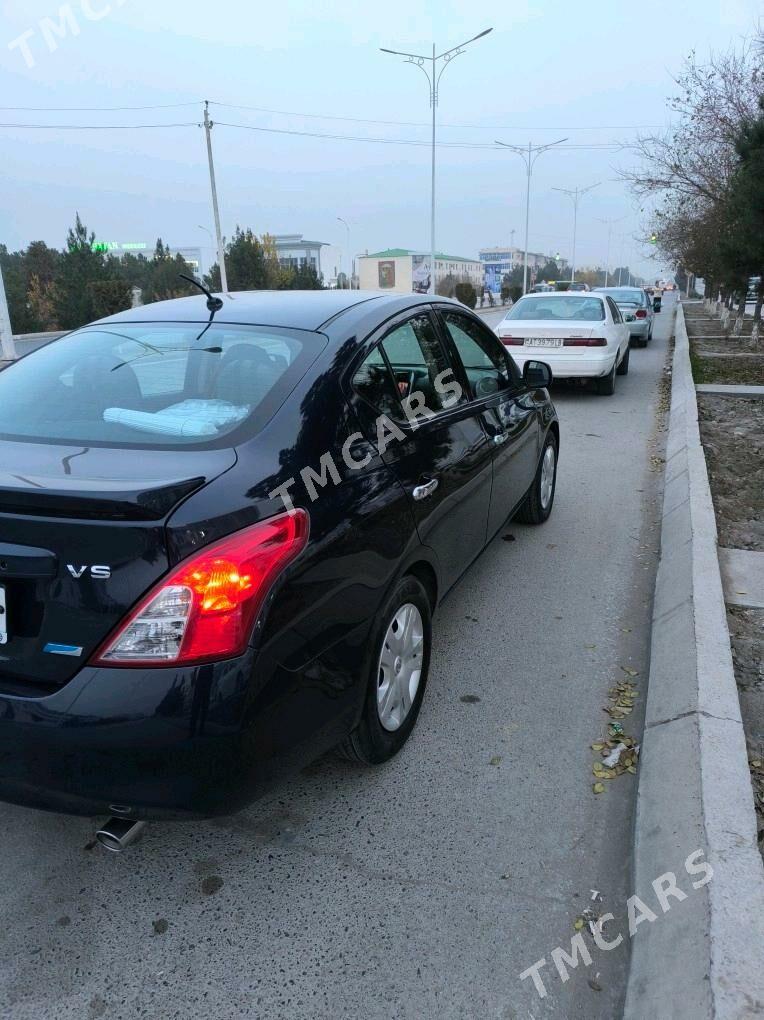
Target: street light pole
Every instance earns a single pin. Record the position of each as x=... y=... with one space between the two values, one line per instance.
x=529 y=157
x=215 y=210
x=609 y=224
x=7 y=343
x=433 y=77
x=350 y=274
x=576 y=194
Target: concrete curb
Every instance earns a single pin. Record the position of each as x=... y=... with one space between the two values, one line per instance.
x=702 y=958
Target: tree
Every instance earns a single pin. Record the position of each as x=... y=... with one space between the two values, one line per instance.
x=549 y=271
x=466 y=293
x=80 y=266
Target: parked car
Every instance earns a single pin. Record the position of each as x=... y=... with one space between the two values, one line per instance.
x=581 y=336
x=637 y=309
x=542 y=288
x=224 y=534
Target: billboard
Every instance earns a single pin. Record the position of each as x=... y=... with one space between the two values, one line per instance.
x=386 y=270
x=420 y=274
x=493 y=277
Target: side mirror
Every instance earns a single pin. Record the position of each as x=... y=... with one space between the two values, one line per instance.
x=537 y=375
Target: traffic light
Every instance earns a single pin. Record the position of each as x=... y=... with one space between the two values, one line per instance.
x=653 y=238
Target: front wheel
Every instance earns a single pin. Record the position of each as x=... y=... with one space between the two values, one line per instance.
x=537 y=505
x=396 y=675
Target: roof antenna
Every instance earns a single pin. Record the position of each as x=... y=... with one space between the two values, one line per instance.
x=214 y=304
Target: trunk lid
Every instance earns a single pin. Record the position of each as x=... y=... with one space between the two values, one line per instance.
x=82 y=537
x=533 y=330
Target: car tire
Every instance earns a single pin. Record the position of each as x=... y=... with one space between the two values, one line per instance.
x=390 y=676
x=605 y=386
x=537 y=505
x=623 y=368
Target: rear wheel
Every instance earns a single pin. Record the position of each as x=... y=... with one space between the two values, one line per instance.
x=606 y=385
x=537 y=505
x=623 y=368
x=396 y=676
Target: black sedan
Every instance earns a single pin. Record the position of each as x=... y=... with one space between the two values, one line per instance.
x=224 y=528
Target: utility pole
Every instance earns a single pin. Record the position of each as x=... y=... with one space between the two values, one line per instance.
x=433 y=77
x=350 y=257
x=529 y=157
x=208 y=124
x=7 y=344
x=576 y=194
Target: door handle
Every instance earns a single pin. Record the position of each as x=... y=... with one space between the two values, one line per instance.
x=500 y=437
x=425 y=490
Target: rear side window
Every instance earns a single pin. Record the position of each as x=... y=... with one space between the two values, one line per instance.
x=614 y=310
x=407 y=374
x=153 y=384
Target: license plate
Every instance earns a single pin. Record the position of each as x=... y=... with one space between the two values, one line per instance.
x=536 y=341
x=3 y=617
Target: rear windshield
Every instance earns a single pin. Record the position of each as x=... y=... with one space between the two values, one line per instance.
x=581 y=308
x=153 y=384
x=627 y=297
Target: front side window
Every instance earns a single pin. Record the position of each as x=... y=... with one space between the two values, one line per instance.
x=485 y=363
x=152 y=384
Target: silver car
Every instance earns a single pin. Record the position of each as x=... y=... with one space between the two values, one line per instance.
x=637 y=310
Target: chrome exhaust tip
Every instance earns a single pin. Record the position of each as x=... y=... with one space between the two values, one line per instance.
x=118 y=833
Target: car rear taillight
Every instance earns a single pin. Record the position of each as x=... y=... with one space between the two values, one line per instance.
x=206 y=607
x=511 y=341
x=641 y=313
x=596 y=341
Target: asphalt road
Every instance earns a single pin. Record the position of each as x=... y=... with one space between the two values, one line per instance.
x=424 y=888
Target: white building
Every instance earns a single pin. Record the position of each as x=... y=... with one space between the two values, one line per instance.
x=403 y=270
x=294 y=252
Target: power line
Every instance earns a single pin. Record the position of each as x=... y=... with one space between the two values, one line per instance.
x=91 y=109
x=95 y=127
x=412 y=123
x=396 y=141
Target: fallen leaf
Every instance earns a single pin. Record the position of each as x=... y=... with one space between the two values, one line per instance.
x=598 y=747
x=598 y=788
x=629 y=671
x=595 y=985
x=496 y=760
x=578 y=923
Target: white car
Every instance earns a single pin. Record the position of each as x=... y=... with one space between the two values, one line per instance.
x=580 y=336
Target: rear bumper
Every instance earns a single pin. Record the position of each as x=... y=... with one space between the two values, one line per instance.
x=577 y=366
x=640 y=328
x=172 y=743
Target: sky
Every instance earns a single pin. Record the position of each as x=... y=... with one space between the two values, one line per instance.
x=595 y=73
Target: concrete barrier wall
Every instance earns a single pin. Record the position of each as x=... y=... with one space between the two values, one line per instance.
x=705 y=956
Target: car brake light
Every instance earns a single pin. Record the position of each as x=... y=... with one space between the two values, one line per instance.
x=205 y=608
x=641 y=313
x=597 y=341
x=511 y=341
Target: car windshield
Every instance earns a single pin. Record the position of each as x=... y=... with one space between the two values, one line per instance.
x=152 y=384
x=583 y=308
